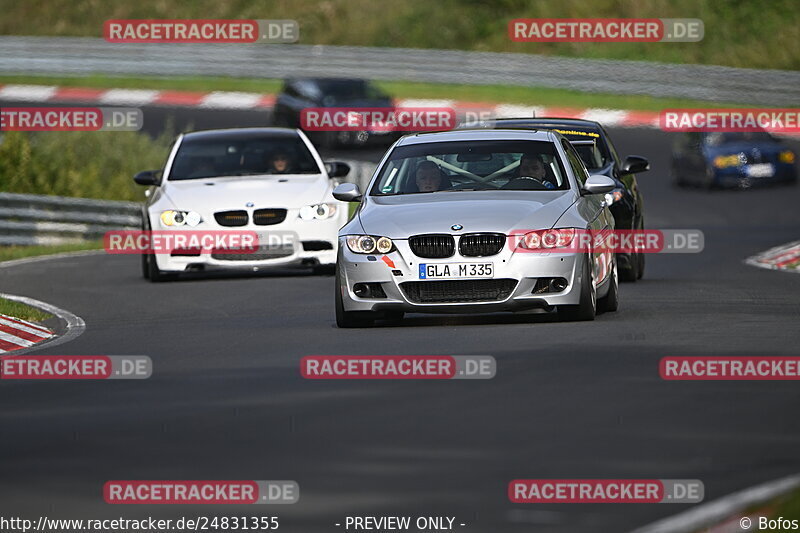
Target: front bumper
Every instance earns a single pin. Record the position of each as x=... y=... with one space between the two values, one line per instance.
x=309 y=242
x=738 y=177
x=401 y=266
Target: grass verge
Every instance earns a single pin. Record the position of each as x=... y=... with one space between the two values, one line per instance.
x=7 y=253
x=22 y=311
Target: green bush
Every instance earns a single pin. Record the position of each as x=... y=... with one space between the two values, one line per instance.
x=81 y=164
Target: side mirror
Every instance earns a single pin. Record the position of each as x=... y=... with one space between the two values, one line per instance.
x=598 y=184
x=347 y=192
x=337 y=169
x=634 y=164
x=147 y=177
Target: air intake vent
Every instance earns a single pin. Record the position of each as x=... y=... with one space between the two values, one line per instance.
x=432 y=246
x=231 y=218
x=481 y=244
x=458 y=291
x=268 y=217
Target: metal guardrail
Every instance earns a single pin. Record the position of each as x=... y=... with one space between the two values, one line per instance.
x=85 y=55
x=31 y=219
x=34 y=219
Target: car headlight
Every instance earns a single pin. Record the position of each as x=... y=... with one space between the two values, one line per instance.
x=317 y=211
x=724 y=161
x=368 y=244
x=786 y=157
x=614 y=196
x=547 y=239
x=180 y=218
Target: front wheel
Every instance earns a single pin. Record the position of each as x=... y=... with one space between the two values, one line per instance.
x=631 y=272
x=610 y=302
x=640 y=262
x=587 y=307
x=155 y=274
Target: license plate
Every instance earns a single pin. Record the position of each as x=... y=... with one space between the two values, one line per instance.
x=761 y=170
x=455 y=270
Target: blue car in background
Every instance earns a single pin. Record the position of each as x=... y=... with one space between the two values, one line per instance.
x=731 y=160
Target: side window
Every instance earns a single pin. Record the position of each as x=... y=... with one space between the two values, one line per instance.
x=611 y=148
x=575 y=162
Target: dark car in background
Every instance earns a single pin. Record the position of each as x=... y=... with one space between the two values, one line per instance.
x=731 y=159
x=594 y=145
x=301 y=93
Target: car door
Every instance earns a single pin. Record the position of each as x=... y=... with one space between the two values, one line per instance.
x=596 y=212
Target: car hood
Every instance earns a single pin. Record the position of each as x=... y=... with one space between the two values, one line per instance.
x=220 y=194
x=399 y=217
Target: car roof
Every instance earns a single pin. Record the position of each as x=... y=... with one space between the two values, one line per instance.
x=323 y=79
x=241 y=134
x=549 y=122
x=478 y=135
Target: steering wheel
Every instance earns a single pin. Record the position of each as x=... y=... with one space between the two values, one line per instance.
x=525 y=182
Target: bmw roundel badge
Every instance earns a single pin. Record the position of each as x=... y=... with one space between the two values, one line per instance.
x=456 y=227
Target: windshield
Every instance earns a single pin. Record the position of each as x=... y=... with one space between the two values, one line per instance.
x=346 y=90
x=242 y=157
x=471 y=166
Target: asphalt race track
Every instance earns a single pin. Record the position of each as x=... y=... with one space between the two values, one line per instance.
x=570 y=400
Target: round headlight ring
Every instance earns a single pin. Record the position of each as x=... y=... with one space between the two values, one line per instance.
x=384 y=245
x=366 y=244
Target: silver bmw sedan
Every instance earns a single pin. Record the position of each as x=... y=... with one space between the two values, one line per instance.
x=475 y=222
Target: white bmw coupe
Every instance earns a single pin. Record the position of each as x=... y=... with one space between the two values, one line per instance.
x=270 y=181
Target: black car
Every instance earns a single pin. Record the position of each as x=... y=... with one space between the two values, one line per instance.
x=736 y=160
x=301 y=93
x=600 y=157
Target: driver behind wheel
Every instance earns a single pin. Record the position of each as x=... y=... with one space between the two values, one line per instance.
x=429 y=177
x=532 y=166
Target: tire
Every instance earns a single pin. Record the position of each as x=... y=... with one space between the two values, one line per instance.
x=587 y=308
x=610 y=302
x=155 y=274
x=631 y=273
x=640 y=262
x=350 y=319
x=145 y=266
